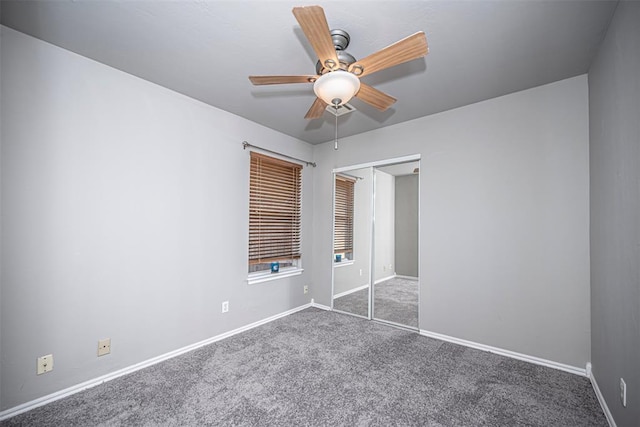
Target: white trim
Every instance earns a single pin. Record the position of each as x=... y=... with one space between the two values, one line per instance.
x=508 y=353
x=16 y=410
x=267 y=277
x=386 y=162
x=350 y=291
x=343 y=263
x=372 y=241
x=603 y=403
x=384 y=279
x=400 y=276
x=333 y=233
x=320 y=306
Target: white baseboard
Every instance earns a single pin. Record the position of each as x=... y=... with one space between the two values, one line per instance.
x=384 y=279
x=11 y=412
x=320 y=306
x=603 y=403
x=508 y=353
x=350 y=291
x=400 y=276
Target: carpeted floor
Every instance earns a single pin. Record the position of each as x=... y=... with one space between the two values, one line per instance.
x=319 y=368
x=354 y=303
x=395 y=300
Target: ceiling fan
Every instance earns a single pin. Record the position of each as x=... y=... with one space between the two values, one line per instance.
x=337 y=77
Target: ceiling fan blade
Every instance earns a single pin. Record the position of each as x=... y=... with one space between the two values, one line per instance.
x=316 y=110
x=276 y=80
x=374 y=97
x=407 y=49
x=314 y=25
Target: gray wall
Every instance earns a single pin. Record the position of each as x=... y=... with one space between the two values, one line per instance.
x=124 y=215
x=384 y=237
x=504 y=223
x=406 y=225
x=614 y=118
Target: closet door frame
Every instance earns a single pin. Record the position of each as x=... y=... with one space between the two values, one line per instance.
x=375 y=164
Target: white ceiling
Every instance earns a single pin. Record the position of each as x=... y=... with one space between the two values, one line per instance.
x=206 y=49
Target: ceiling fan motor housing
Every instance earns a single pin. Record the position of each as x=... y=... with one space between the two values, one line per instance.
x=340 y=39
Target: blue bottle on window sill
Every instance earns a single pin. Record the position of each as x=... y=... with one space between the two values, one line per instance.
x=338 y=258
x=275 y=267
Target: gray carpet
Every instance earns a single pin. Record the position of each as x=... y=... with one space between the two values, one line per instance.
x=318 y=368
x=354 y=303
x=395 y=300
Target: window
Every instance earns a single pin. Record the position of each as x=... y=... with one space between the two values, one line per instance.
x=274 y=213
x=343 y=228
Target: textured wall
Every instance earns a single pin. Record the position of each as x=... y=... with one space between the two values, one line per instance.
x=384 y=235
x=406 y=225
x=614 y=119
x=124 y=215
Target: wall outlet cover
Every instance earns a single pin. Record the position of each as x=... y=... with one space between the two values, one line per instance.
x=104 y=347
x=45 y=364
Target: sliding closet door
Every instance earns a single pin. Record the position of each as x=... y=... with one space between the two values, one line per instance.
x=395 y=260
x=353 y=197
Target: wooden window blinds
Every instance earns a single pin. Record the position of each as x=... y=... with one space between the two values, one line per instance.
x=274 y=209
x=343 y=234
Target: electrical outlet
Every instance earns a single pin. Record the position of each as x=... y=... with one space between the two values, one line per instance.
x=361 y=272
x=45 y=364
x=623 y=392
x=104 y=347
x=225 y=306
x=306 y=289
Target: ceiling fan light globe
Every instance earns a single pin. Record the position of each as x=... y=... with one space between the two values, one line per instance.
x=336 y=85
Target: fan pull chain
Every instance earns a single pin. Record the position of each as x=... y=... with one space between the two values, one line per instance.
x=335 y=144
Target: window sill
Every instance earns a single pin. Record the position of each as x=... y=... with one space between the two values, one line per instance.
x=343 y=263
x=267 y=277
